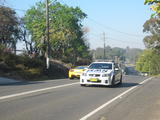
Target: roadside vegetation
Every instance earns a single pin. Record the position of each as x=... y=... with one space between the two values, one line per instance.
x=23 y=67
x=67 y=46
x=148 y=61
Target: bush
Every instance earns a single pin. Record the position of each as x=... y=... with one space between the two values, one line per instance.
x=34 y=63
x=30 y=74
x=1 y=48
x=20 y=67
x=4 y=67
x=10 y=61
x=24 y=67
x=35 y=71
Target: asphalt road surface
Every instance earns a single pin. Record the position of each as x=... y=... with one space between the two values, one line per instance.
x=138 y=98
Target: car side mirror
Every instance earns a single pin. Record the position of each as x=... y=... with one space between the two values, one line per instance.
x=85 y=69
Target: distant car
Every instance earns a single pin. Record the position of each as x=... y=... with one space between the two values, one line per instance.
x=144 y=74
x=76 y=72
x=102 y=73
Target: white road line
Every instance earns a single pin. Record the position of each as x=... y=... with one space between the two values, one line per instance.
x=35 y=91
x=112 y=100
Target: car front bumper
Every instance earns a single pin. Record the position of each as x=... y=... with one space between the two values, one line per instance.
x=95 y=81
x=72 y=75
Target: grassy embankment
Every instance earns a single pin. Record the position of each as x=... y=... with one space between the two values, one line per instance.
x=26 y=68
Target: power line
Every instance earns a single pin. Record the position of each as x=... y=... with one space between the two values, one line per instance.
x=118 y=40
x=116 y=43
x=96 y=35
x=133 y=35
x=123 y=40
x=115 y=30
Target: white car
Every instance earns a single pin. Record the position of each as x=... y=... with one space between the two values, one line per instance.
x=101 y=73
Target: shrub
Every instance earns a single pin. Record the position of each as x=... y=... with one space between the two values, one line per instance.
x=33 y=72
x=20 y=67
x=4 y=67
x=34 y=63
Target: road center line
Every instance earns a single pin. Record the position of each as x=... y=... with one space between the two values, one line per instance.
x=112 y=100
x=35 y=91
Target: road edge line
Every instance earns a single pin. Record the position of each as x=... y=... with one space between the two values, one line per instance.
x=35 y=91
x=114 y=99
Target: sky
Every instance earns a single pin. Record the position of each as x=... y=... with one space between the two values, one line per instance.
x=121 y=20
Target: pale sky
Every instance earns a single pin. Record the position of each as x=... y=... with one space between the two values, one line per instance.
x=121 y=20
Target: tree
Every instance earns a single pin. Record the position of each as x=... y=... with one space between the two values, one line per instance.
x=148 y=61
x=155 y=6
x=129 y=55
x=29 y=43
x=152 y=41
x=9 y=27
x=66 y=33
x=142 y=64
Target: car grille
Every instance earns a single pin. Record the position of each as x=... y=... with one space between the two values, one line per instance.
x=94 y=75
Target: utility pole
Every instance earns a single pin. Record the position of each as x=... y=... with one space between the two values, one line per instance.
x=149 y=68
x=104 y=52
x=47 y=35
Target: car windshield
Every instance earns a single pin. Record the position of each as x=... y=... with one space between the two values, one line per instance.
x=81 y=67
x=100 y=66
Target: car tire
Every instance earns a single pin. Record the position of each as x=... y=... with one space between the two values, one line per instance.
x=120 y=82
x=113 y=82
x=83 y=85
x=71 y=78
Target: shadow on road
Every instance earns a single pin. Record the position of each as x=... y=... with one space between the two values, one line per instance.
x=123 y=85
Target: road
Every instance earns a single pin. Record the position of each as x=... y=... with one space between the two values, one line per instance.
x=66 y=100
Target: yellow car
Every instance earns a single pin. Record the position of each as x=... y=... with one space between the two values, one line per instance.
x=76 y=72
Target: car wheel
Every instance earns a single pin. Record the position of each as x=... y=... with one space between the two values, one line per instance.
x=120 y=82
x=83 y=85
x=113 y=81
x=71 y=78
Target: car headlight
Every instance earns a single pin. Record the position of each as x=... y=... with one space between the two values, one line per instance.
x=106 y=75
x=84 y=74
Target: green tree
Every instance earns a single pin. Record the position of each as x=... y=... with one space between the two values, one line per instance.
x=155 y=6
x=152 y=41
x=9 y=27
x=66 y=34
x=148 y=61
x=142 y=64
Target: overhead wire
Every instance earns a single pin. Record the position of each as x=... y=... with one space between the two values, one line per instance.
x=115 y=30
x=104 y=26
x=118 y=40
